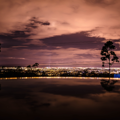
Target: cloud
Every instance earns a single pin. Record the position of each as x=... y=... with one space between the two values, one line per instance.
x=77 y=16
x=58 y=32
x=78 y=40
x=67 y=50
x=19 y=46
x=45 y=57
x=35 y=42
x=15 y=58
x=102 y=3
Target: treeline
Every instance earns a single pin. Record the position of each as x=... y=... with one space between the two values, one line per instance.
x=39 y=73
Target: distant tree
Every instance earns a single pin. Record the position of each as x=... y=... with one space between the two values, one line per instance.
x=18 y=67
x=29 y=66
x=3 y=67
x=35 y=65
x=108 y=54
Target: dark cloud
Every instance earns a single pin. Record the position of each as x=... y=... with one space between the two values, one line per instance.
x=102 y=3
x=34 y=23
x=19 y=37
x=9 y=40
x=78 y=40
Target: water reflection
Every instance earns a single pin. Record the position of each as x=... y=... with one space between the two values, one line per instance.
x=11 y=78
x=59 y=99
x=108 y=85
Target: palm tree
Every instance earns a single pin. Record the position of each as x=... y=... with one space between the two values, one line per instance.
x=107 y=52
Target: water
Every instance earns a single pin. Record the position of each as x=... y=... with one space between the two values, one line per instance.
x=59 y=99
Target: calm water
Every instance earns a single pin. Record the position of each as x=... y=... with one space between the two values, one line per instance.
x=59 y=99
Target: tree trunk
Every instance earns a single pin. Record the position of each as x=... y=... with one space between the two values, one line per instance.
x=109 y=69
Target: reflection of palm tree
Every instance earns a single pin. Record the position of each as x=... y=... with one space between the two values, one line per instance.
x=108 y=85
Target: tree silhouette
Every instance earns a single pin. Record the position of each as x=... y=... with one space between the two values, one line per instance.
x=108 y=54
x=35 y=65
x=18 y=67
x=3 y=67
x=107 y=85
x=29 y=66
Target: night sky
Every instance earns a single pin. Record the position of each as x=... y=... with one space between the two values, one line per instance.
x=57 y=33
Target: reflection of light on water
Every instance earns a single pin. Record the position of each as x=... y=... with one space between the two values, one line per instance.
x=59 y=78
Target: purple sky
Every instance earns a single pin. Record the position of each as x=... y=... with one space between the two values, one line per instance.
x=57 y=33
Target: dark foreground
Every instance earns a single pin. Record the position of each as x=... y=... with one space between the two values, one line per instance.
x=59 y=99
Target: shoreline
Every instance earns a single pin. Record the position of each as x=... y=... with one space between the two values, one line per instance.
x=34 y=77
